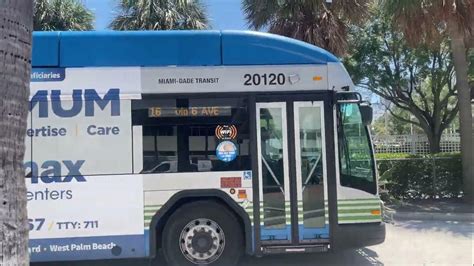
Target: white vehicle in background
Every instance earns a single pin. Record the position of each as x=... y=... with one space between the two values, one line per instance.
x=172 y=167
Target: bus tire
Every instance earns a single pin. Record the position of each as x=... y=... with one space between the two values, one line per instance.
x=202 y=232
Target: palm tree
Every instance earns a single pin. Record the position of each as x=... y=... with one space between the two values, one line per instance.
x=426 y=21
x=50 y=15
x=313 y=21
x=160 y=15
x=15 y=48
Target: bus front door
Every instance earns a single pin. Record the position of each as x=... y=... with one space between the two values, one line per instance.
x=292 y=172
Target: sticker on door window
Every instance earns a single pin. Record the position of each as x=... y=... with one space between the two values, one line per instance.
x=248 y=175
x=226 y=132
x=226 y=151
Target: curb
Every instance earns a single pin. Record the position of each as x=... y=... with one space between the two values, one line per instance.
x=432 y=216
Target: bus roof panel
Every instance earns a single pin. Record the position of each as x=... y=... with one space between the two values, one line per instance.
x=171 y=48
x=45 y=49
x=256 y=48
x=140 y=48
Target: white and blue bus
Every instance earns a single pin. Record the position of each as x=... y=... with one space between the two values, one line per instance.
x=205 y=144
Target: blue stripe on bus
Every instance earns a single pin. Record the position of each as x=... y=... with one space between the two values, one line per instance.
x=304 y=233
x=171 y=48
x=313 y=233
x=258 y=48
x=132 y=246
x=87 y=248
x=147 y=242
x=45 y=49
x=276 y=234
x=140 y=48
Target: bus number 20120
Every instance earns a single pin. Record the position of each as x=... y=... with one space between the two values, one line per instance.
x=264 y=79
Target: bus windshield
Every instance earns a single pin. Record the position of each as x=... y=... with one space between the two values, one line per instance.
x=357 y=167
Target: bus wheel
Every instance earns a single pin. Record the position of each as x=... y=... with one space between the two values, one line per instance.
x=203 y=232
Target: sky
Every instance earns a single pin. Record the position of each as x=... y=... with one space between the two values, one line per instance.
x=224 y=14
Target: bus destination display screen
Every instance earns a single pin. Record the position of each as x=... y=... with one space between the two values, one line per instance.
x=202 y=111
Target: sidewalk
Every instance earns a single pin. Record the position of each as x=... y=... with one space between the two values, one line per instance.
x=433 y=209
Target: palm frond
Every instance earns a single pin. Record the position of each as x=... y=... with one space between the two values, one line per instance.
x=355 y=11
x=260 y=13
x=426 y=21
x=160 y=15
x=312 y=21
x=62 y=15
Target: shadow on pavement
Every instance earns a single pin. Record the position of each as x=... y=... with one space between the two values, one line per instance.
x=461 y=228
x=360 y=257
x=457 y=205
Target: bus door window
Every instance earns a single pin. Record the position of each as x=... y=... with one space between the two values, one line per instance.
x=272 y=160
x=309 y=153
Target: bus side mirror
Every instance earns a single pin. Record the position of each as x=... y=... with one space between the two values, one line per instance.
x=367 y=114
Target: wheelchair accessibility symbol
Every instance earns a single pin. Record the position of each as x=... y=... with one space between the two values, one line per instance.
x=248 y=175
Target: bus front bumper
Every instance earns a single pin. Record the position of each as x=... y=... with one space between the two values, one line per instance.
x=359 y=235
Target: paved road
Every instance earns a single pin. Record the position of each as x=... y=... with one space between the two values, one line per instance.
x=407 y=242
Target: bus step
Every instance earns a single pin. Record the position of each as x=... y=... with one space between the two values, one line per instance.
x=295 y=249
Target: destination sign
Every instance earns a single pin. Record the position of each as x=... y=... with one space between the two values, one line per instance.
x=203 y=111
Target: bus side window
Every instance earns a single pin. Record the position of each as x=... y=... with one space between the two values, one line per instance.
x=193 y=135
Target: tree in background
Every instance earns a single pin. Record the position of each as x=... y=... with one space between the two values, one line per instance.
x=15 y=66
x=313 y=21
x=419 y=81
x=62 y=15
x=160 y=15
x=387 y=124
x=471 y=71
x=426 y=22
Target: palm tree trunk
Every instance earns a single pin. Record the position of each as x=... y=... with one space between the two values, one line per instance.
x=16 y=23
x=465 y=116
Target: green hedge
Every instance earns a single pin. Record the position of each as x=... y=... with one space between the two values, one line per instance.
x=405 y=176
